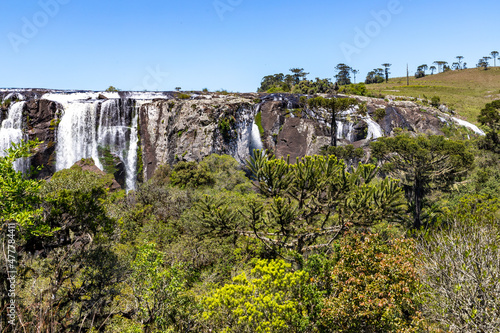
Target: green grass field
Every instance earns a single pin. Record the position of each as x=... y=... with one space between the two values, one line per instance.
x=465 y=91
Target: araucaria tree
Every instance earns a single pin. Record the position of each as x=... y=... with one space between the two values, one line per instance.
x=490 y=117
x=312 y=200
x=494 y=55
x=421 y=71
x=387 y=65
x=298 y=74
x=330 y=110
x=483 y=62
x=354 y=72
x=375 y=76
x=423 y=164
x=343 y=75
x=441 y=65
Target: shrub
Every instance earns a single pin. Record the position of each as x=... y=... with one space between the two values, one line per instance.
x=435 y=101
x=346 y=153
x=258 y=122
x=225 y=127
x=183 y=96
x=374 y=287
x=190 y=174
x=379 y=114
x=271 y=299
x=461 y=268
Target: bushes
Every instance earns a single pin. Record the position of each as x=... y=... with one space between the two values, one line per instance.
x=375 y=287
x=355 y=89
x=183 y=96
x=379 y=114
x=370 y=285
x=265 y=301
x=435 y=101
x=258 y=122
x=461 y=268
x=190 y=174
x=225 y=127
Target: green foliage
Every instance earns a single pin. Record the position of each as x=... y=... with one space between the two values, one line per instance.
x=74 y=200
x=355 y=89
x=309 y=87
x=107 y=159
x=182 y=96
x=54 y=123
x=295 y=83
x=375 y=287
x=258 y=122
x=461 y=267
x=435 y=101
x=343 y=75
x=313 y=200
x=19 y=196
x=380 y=114
x=190 y=174
x=225 y=127
x=375 y=76
x=159 y=290
x=347 y=153
x=226 y=173
x=6 y=103
x=423 y=164
x=112 y=89
x=490 y=117
x=265 y=301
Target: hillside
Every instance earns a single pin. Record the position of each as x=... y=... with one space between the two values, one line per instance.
x=465 y=91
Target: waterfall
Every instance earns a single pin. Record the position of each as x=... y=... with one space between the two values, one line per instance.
x=76 y=135
x=11 y=132
x=117 y=131
x=255 y=139
x=99 y=130
x=374 y=129
x=468 y=125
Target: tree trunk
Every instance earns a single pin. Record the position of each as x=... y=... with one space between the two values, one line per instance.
x=418 y=196
x=333 y=126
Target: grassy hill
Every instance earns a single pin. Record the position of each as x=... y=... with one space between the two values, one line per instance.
x=465 y=91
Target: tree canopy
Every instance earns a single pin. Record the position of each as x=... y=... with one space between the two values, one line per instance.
x=422 y=163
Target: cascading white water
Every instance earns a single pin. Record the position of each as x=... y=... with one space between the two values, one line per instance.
x=76 y=135
x=470 y=126
x=374 y=129
x=11 y=132
x=91 y=129
x=117 y=131
x=255 y=139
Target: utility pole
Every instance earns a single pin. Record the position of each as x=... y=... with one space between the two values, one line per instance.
x=407 y=76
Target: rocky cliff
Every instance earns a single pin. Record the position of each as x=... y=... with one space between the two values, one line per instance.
x=130 y=134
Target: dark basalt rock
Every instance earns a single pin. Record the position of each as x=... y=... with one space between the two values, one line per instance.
x=42 y=120
x=119 y=174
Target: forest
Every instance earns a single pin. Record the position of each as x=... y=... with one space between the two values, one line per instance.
x=406 y=242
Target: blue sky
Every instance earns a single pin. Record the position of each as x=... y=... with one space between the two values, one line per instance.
x=230 y=44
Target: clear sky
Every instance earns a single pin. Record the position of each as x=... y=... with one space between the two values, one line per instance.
x=230 y=44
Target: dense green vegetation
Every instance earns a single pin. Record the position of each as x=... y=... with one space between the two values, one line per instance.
x=405 y=243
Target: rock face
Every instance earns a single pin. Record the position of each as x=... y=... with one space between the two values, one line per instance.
x=188 y=130
x=42 y=119
x=171 y=129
